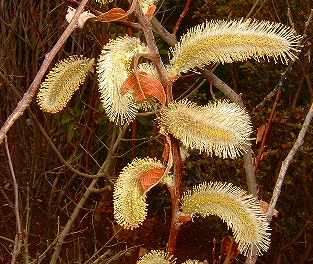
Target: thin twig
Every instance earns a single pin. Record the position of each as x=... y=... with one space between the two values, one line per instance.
x=266 y=132
x=274 y=91
x=252 y=9
x=182 y=16
x=18 y=236
x=86 y=175
x=287 y=162
x=307 y=23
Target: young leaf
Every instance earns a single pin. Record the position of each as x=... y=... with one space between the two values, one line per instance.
x=264 y=206
x=229 y=248
x=84 y=16
x=144 y=86
x=151 y=178
x=260 y=133
x=62 y=81
x=221 y=128
x=114 y=14
x=240 y=211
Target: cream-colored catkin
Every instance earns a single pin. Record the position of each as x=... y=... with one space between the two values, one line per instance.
x=113 y=68
x=129 y=198
x=221 y=128
x=156 y=257
x=228 y=41
x=240 y=211
x=62 y=81
x=191 y=261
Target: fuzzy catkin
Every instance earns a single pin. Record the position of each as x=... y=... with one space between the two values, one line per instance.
x=239 y=210
x=62 y=81
x=130 y=207
x=228 y=41
x=156 y=257
x=220 y=128
x=113 y=68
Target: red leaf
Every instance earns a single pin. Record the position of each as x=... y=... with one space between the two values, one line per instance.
x=230 y=248
x=144 y=87
x=166 y=151
x=150 y=12
x=151 y=178
x=260 y=133
x=184 y=219
x=114 y=14
x=264 y=206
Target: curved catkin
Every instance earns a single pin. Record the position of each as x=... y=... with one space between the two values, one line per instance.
x=114 y=66
x=240 y=211
x=156 y=257
x=221 y=128
x=130 y=207
x=229 y=41
x=62 y=81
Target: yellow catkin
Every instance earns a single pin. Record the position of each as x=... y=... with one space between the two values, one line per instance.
x=114 y=66
x=130 y=208
x=240 y=211
x=220 y=128
x=62 y=81
x=229 y=41
x=156 y=257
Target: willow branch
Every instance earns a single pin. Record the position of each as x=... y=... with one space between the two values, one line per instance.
x=287 y=162
x=28 y=96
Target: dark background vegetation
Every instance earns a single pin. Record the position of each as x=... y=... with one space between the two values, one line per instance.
x=49 y=191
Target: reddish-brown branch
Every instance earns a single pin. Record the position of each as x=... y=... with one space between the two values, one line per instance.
x=134 y=139
x=267 y=129
x=177 y=161
x=175 y=197
x=155 y=55
x=182 y=16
